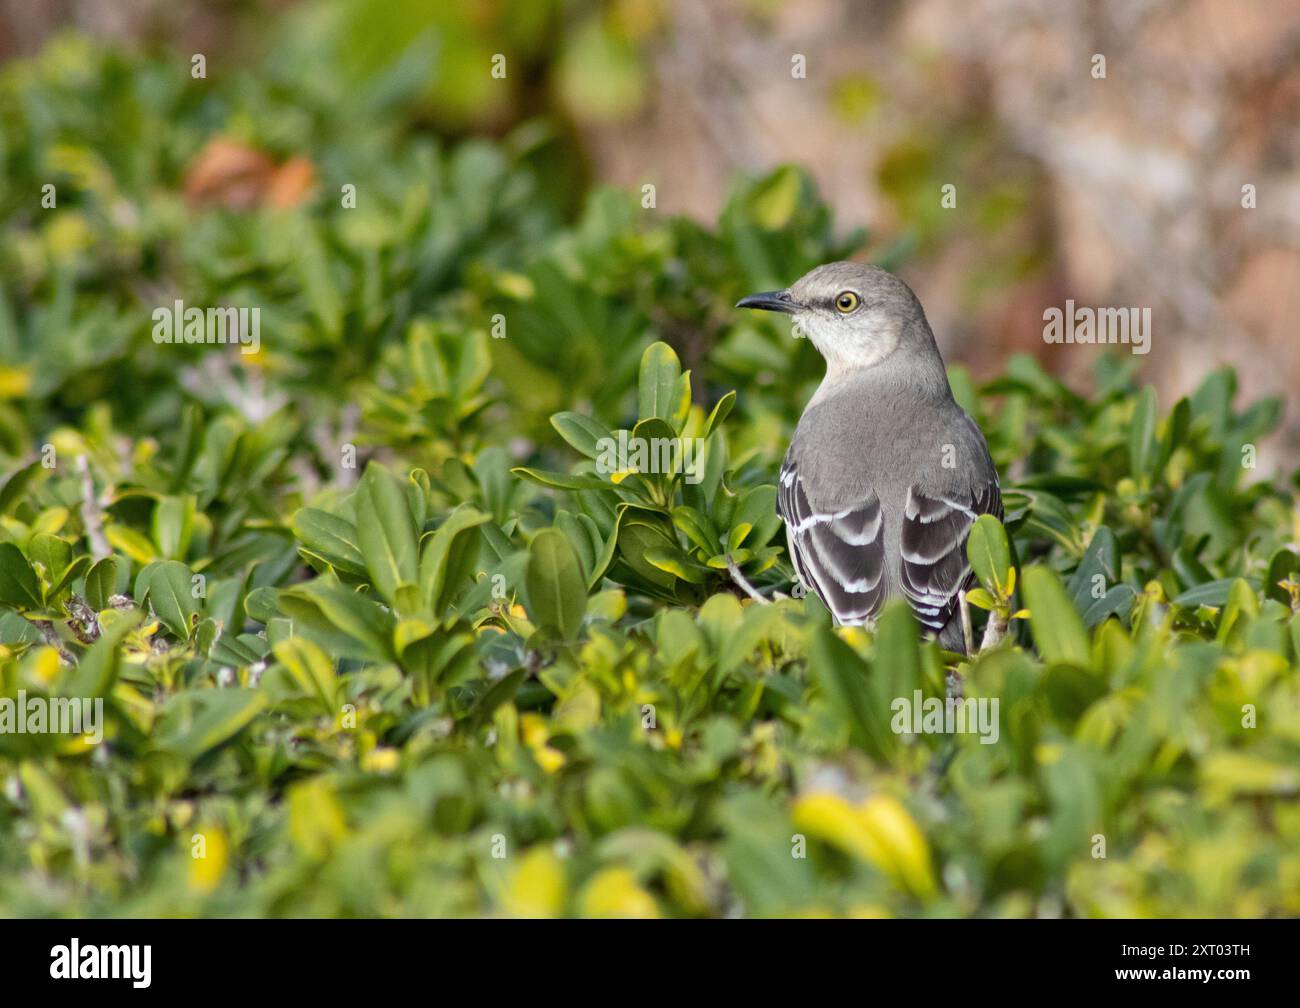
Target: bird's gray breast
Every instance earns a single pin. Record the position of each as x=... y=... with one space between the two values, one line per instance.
x=884 y=440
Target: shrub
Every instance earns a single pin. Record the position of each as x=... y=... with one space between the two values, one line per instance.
x=379 y=630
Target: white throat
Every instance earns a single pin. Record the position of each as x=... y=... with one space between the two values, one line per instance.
x=849 y=349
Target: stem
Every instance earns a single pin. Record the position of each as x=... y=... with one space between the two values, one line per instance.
x=995 y=629
x=743 y=584
x=82 y=620
x=967 y=633
x=48 y=635
x=91 y=515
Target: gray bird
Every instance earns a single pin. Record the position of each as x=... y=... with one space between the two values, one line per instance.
x=886 y=473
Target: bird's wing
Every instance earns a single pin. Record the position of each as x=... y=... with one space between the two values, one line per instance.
x=933 y=567
x=840 y=555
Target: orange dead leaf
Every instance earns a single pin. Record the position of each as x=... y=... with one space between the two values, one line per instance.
x=233 y=175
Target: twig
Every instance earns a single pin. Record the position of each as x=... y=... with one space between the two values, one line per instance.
x=83 y=621
x=48 y=635
x=967 y=633
x=91 y=515
x=994 y=630
x=743 y=584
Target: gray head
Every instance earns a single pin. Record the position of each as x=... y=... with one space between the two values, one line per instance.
x=855 y=315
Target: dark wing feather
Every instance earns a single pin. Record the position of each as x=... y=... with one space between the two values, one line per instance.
x=840 y=555
x=933 y=568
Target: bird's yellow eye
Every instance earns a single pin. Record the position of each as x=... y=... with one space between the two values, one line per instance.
x=847 y=302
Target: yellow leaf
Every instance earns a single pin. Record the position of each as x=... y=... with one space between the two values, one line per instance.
x=381 y=759
x=869 y=911
x=854 y=636
x=614 y=892
x=316 y=820
x=831 y=818
x=14 y=382
x=209 y=853
x=880 y=831
x=532 y=728
x=515 y=285
x=45 y=666
x=548 y=759
x=906 y=845
x=130 y=542
x=536 y=885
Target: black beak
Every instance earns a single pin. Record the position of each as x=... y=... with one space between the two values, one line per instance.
x=770 y=301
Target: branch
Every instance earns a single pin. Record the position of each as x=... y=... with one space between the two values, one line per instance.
x=743 y=584
x=46 y=629
x=967 y=633
x=994 y=630
x=91 y=515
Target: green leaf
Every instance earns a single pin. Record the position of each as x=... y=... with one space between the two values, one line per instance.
x=756 y=513
x=386 y=532
x=173 y=526
x=843 y=676
x=775 y=199
x=12 y=490
x=1100 y=558
x=582 y=433
x=56 y=559
x=168 y=585
x=19 y=586
x=237 y=651
x=675 y=562
x=636 y=536
x=311 y=669
x=1057 y=628
x=657 y=389
x=332 y=538
x=194 y=722
x=1211 y=593
x=1281 y=566
x=719 y=413
x=262 y=604
x=70 y=574
x=1116 y=602
x=990 y=556
x=562 y=481
x=896 y=664
x=554 y=585
x=1070 y=690
x=101 y=583
x=1173 y=432
x=1241 y=609
x=94 y=675
x=757 y=848
x=583 y=536
x=1143 y=447
x=341 y=621
x=654 y=449
x=1074 y=796
x=697 y=528
x=447 y=557
x=52 y=553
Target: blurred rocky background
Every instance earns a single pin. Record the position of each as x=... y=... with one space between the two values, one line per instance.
x=1122 y=190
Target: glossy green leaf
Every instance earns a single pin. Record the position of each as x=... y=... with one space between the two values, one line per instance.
x=554 y=585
